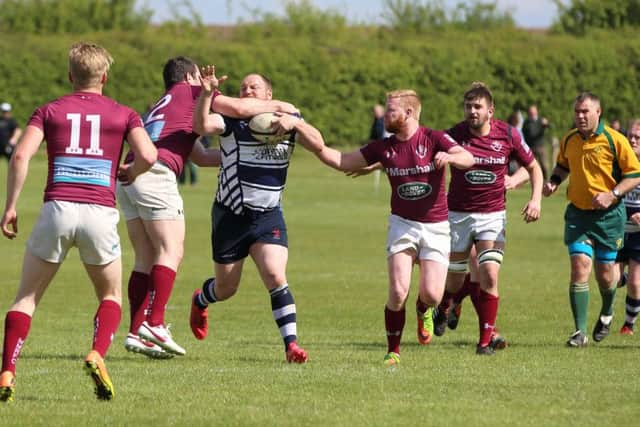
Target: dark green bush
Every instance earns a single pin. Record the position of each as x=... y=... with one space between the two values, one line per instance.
x=336 y=78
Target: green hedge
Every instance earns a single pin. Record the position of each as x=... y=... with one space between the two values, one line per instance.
x=336 y=78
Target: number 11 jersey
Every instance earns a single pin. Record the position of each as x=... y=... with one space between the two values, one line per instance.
x=85 y=133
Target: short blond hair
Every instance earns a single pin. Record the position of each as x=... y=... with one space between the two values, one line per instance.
x=408 y=98
x=88 y=62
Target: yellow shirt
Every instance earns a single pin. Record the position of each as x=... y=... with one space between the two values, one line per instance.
x=596 y=164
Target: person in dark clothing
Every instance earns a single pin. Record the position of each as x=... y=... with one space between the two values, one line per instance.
x=533 y=130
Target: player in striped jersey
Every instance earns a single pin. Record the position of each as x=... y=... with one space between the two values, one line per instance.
x=247 y=218
x=630 y=253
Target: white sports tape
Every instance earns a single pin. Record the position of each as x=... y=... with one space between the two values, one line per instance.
x=490 y=255
x=459 y=266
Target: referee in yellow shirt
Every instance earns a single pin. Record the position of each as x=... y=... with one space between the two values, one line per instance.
x=601 y=167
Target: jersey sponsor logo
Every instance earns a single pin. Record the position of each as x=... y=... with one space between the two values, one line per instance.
x=490 y=160
x=415 y=170
x=479 y=177
x=414 y=190
x=279 y=152
x=79 y=170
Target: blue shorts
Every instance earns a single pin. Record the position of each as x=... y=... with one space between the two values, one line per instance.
x=631 y=248
x=232 y=235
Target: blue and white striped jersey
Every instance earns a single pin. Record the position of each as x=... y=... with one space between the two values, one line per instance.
x=252 y=174
x=632 y=204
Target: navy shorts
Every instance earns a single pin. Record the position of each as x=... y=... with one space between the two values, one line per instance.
x=232 y=235
x=631 y=248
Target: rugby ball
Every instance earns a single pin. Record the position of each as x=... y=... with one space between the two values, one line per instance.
x=261 y=129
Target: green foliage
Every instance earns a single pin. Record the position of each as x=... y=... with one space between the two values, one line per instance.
x=417 y=16
x=301 y=18
x=580 y=16
x=70 y=16
x=336 y=78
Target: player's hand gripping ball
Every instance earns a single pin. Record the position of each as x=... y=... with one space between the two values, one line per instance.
x=261 y=129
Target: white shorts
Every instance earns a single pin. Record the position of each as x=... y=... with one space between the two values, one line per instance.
x=93 y=229
x=429 y=240
x=468 y=227
x=153 y=196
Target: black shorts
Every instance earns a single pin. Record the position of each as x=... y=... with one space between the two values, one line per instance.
x=631 y=248
x=232 y=235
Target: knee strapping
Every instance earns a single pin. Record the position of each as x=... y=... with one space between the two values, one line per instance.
x=461 y=266
x=490 y=255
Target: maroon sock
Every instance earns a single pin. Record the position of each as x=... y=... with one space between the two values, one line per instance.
x=474 y=288
x=465 y=290
x=394 y=323
x=138 y=299
x=421 y=308
x=447 y=301
x=105 y=324
x=16 y=329
x=162 y=279
x=488 y=305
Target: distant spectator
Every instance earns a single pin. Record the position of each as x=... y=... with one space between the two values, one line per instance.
x=378 y=130
x=533 y=130
x=617 y=125
x=514 y=121
x=9 y=130
x=193 y=173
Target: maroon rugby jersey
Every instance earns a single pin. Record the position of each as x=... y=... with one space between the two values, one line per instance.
x=481 y=187
x=85 y=133
x=169 y=124
x=417 y=188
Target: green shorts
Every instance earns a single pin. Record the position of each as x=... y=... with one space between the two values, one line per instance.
x=605 y=228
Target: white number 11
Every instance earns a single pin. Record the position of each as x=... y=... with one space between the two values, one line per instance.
x=94 y=139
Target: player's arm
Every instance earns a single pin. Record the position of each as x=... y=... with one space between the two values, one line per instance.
x=202 y=156
x=15 y=136
x=145 y=155
x=306 y=134
x=18 y=169
x=558 y=175
x=205 y=123
x=242 y=108
x=365 y=170
x=346 y=162
x=518 y=178
x=312 y=140
x=531 y=211
x=456 y=156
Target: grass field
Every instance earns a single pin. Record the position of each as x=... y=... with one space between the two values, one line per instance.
x=337 y=272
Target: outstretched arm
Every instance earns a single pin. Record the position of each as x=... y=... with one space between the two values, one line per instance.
x=312 y=140
x=202 y=156
x=18 y=169
x=307 y=135
x=242 y=108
